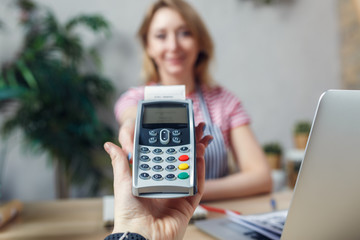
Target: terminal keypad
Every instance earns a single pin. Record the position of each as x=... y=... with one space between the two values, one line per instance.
x=164 y=163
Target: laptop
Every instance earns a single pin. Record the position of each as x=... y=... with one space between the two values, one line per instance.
x=326 y=200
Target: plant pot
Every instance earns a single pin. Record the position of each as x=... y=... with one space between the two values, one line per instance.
x=62 y=185
x=274 y=160
x=292 y=172
x=300 y=140
x=293 y=160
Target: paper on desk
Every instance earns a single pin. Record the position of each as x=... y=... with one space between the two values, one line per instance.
x=199 y=213
x=9 y=210
x=108 y=210
x=268 y=224
x=173 y=92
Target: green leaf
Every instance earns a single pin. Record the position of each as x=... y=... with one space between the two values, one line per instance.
x=302 y=127
x=95 y=57
x=70 y=46
x=272 y=147
x=26 y=5
x=95 y=22
x=51 y=23
x=27 y=74
x=10 y=77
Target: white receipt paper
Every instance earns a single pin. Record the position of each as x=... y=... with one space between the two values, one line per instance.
x=174 y=92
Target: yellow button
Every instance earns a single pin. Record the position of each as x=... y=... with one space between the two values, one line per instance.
x=183 y=166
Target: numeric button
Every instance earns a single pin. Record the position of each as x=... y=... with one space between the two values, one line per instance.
x=157 y=159
x=170 y=168
x=144 y=167
x=157 y=151
x=170 y=177
x=144 y=150
x=171 y=151
x=157 y=168
x=157 y=177
x=171 y=159
x=144 y=158
x=144 y=176
x=184 y=149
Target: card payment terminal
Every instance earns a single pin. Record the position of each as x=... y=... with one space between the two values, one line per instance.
x=164 y=157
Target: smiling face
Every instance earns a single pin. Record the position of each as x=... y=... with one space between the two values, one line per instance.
x=171 y=44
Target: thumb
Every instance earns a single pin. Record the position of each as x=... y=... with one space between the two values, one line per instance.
x=119 y=160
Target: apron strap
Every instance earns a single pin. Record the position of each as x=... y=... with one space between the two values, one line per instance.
x=216 y=153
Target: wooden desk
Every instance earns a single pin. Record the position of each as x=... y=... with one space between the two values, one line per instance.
x=81 y=219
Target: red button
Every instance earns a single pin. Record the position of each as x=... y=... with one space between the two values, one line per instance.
x=184 y=158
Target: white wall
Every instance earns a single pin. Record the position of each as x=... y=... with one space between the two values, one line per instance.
x=278 y=58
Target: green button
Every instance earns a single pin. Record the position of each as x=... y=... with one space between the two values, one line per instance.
x=183 y=175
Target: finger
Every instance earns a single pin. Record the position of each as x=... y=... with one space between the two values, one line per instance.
x=126 y=135
x=200 y=168
x=206 y=140
x=200 y=150
x=202 y=144
x=125 y=139
x=200 y=173
x=199 y=130
x=119 y=160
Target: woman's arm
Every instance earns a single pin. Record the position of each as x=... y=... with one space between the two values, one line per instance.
x=254 y=176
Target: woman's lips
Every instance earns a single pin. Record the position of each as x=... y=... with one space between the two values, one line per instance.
x=175 y=61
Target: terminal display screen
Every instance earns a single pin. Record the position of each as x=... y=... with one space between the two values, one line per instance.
x=165 y=115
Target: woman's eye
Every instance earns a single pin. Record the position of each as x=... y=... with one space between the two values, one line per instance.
x=160 y=36
x=184 y=33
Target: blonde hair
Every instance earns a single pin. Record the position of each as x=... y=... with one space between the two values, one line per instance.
x=198 y=30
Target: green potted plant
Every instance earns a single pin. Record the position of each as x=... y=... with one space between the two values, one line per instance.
x=301 y=134
x=273 y=152
x=56 y=99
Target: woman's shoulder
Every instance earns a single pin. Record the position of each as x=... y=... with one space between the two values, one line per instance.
x=134 y=91
x=140 y=88
x=217 y=91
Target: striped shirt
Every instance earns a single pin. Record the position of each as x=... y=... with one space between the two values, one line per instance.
x=226 y=110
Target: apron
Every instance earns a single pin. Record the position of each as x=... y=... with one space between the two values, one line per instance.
x=216 y=163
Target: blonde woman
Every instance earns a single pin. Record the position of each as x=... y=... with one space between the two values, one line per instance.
x=177 y=50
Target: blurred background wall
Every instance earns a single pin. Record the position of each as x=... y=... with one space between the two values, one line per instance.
x=277 y=58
